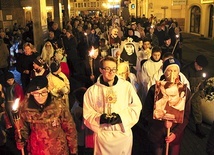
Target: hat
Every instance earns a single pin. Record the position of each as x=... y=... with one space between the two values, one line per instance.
x=166 y=38
x=9 y=75
x=39 y=61
x=171 y=62
x=38 y=82
x=146 y=39
x=54 y=66
x=69 y=31
x=202 y=60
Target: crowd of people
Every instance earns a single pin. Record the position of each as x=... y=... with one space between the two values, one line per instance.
x=100 y=85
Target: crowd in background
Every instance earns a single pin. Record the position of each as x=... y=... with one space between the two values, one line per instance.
x=65 y=59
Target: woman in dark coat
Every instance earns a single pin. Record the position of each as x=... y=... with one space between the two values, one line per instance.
x=25 y=63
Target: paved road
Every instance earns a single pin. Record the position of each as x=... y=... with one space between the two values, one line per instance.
x=194 y=45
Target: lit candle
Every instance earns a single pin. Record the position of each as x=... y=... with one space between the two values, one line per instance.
x=16 y=119
x=91 y=52
x=91 y=55
x=15 y=108
x=86 y=37
x=204 y=75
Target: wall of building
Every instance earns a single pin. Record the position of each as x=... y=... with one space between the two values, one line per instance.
x=180 y=12
x=10 y=15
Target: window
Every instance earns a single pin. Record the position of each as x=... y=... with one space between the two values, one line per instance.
x=195 y=19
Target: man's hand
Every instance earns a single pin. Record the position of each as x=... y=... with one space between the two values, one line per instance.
x=170 y=138
x=158 y=113
x=115 y=119
x=92 y=77
x=19 y=144
x=104 y=119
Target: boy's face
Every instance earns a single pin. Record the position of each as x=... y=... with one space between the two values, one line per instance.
x=197 y=67
x=156 y=56
x=109 y=71
x=10 y=81
x=168 y=42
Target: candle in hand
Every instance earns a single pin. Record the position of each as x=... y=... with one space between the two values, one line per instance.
x=15 y=105
x=204 y=75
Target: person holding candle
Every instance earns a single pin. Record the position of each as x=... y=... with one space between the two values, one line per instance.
x=177 y=40
x=157 y=129
x=194 y=73
x=111 y=108
x=48 y=127
x=12 y=90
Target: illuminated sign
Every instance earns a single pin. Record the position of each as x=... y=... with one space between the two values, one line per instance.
x=179 y=2
x=133 y=6
x=207 y=1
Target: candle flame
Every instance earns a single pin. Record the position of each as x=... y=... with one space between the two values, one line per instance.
x=91 y=52
x=85 y=34
x=16 y=104
x=177 y=36
x=204 y=75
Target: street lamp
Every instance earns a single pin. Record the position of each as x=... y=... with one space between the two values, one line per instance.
x=164 y=8
x=114 y=4
x=107 y=7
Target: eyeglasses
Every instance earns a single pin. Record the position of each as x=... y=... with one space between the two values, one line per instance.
x=45 y=93
x=108 y=70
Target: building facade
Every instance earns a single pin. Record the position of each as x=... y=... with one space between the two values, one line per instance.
x=193 y=16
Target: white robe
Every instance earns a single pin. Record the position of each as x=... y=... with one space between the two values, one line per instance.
x=149 y=69
x=112 y=139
